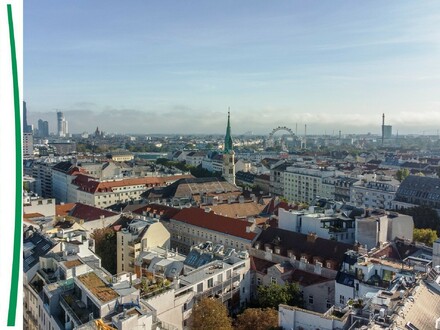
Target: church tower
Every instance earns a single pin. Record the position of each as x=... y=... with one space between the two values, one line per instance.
x=229 y=155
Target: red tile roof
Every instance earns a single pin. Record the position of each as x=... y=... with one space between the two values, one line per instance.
x=92 y=185
x=209 y=220
x=89 y=213
x=33 y=215
x=164 y=211
x=63 y=209
x=275 y=204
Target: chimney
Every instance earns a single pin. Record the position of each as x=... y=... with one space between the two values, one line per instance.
x=311 y=237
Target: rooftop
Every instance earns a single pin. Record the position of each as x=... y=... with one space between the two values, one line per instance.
x=416 y=310
x=209 y=220
x=98 y=287
x=72 y=263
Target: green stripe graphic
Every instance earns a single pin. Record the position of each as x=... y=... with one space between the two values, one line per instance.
x=18 y=173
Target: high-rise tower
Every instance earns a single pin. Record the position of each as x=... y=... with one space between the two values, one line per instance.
x=383 y=127
x=43 y=128
x=61 y=125
x=387 y=130
x=26 y=128
x=229 y=155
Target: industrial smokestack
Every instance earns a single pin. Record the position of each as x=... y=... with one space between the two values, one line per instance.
x=305 y=136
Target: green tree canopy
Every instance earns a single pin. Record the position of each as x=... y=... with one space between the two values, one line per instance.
x=424 y=217
x=105 y=247
x=274 y=294
x=402 y=174
x=210 y=314
x=257 y=319
x=426 y=236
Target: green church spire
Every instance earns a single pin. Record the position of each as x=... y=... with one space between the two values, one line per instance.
x=228 y=139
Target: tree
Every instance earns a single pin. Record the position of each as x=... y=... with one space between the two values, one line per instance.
x=257 y=319
x=424 y=217
x=274 y=294
x=402 y=174
x=210 y=314
x=426 y=236
x=105 y=247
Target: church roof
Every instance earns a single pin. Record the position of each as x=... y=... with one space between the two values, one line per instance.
x=228 y=139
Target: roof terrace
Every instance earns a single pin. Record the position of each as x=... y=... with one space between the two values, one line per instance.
x=98 y=287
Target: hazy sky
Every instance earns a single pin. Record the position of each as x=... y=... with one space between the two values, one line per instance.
x=176 y=66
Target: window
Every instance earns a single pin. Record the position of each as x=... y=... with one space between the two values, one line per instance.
x=342 y=300
x=258 y=281
x=311 y=300
x=200 y=287
x=329 y=304
x=210 y=283
x=273 y=280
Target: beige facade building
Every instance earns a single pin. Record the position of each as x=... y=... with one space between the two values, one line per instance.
x=138 y=236
x=304 y=184
x=98 y=193
x=192 y=226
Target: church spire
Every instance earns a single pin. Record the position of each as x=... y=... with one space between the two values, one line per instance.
x=228 y=139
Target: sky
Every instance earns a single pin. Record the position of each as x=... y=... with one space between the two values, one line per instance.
x=176 y=66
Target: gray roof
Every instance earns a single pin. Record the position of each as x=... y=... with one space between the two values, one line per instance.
x=420 y=190
x=35 y=245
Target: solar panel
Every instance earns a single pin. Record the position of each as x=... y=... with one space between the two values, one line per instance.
x=29 y=260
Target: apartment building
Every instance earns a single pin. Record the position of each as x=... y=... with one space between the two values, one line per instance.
x=338 y=225
x=192 y=226
x=304 y=184
x=42 y=172
x=139 y=235
x=374 y=194
x=45 y=207
x=378 y=226
x=195 y=158
x=89 y=217
x=225 y=278
x=366 y=273
x=106 y=193
x=418 y=191
x=64 y=291
x=280 y=256
x=277 y=171
x=338 y=188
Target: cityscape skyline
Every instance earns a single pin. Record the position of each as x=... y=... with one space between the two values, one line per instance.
x=175 y=67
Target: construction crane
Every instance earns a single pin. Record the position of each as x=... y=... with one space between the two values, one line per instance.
x=100 y=325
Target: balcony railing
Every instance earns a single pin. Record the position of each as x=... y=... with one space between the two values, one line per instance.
x=70 y=311
x=220 y=287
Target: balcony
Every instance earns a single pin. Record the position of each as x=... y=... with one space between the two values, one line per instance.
x=75 y=309
x=219 y=289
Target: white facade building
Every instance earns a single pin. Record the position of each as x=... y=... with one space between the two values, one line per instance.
x=304 y=184
x=374 y=195
x=325 y=224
